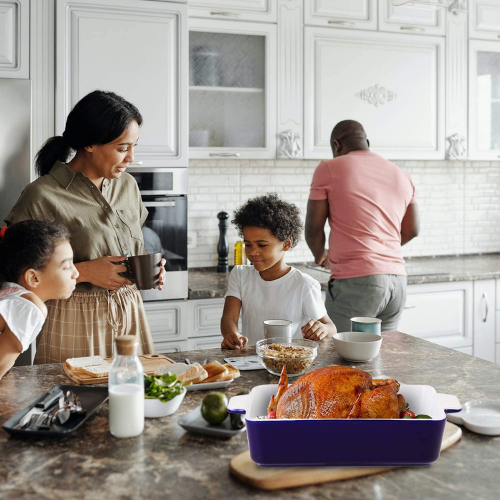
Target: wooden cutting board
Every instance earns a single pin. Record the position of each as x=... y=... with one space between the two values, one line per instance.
x=150 y=362
x=276 y=478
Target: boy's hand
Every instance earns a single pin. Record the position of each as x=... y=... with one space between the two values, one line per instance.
x=314 y=330
x=234 y=341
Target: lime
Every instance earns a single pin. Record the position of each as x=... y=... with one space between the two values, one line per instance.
x=214 y=407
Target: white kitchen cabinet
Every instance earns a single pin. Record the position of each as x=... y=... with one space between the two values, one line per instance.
x=351 y=14
x=410 y=19
x=465 y=350
x=14 y=38
x=213 y=342
x=484 y=319
x=204 y=317
x=168 y=322
x=484 y=19
x=497 y=355
x=232 y=92
x=484 y=100
x=244 y=10
x=441 y=313
x=393 y=84
x=166 y=347
x=137 y=49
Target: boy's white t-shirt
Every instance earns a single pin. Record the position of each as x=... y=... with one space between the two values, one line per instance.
x=24 y=319
x=295 y=297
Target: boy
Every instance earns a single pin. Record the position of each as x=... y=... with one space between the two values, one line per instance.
x=270 y=288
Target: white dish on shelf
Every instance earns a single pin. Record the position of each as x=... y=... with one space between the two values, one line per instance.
x=480 y=415
x=208 y=386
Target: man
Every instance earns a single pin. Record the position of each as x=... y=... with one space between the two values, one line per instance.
x=371 y=207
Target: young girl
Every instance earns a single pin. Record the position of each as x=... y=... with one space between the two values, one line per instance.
x=36 y=264
x=270 y=288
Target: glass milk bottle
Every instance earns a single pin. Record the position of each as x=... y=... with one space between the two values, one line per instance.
x=126 y=389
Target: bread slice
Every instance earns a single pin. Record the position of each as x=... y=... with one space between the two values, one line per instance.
x=76 y=364
x=98 y=371
x=214 y=368
x=182 y=370
x=197 y=377
x=219 y=377
x=234 y=372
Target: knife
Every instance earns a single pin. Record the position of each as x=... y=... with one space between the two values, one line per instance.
x=49 y=400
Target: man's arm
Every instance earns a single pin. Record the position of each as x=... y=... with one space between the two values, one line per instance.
x=410 y=225
x=317 y=214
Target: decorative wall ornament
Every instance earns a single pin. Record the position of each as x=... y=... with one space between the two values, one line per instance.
x=458 y=7
x=289 y=146
x=457 y=148
x=377 y=95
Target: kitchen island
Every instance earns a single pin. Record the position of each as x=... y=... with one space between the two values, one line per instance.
x=167 y=462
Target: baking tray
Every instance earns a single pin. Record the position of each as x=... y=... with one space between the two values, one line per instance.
x=91 y=399
x=347 y=442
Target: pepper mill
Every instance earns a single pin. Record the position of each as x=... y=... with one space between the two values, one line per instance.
x=223 y=247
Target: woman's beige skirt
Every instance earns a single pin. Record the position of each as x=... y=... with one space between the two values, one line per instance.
x=87 y=323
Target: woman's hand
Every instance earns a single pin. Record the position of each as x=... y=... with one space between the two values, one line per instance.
x=102 y=272
x=161 y=277
x=234 y=340
x=315 y=330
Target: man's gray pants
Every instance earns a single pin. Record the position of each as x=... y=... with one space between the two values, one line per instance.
x=380 y=296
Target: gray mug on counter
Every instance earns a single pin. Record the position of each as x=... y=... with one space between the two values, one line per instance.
x=277 y=328
x=365 y=324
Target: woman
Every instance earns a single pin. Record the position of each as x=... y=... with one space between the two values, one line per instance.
x=101 y=206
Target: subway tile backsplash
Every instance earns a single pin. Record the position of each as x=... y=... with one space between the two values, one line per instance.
x=459 y=203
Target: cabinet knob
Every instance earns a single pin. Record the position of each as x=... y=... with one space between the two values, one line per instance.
x=413 y=29
x=486 y=308
x=227 y=14
x=342 y=23
x=136 y=163
x=410 y=306
x=224 y=154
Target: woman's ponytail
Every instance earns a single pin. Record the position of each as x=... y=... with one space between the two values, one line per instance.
x=55 y=148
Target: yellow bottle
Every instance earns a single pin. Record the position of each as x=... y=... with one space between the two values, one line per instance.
x=239 y=254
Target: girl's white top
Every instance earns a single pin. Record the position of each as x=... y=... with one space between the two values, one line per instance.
x=24 y=319
x=295 y=297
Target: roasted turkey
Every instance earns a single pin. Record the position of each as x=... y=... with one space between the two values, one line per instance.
x=337 y=392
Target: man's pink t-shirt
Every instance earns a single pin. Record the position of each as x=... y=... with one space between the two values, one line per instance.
x=367 y=197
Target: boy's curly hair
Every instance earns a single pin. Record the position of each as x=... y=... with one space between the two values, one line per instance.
x=282 y=219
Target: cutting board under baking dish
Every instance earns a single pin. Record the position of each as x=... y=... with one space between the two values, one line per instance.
x=150 y=362
x=277 y=478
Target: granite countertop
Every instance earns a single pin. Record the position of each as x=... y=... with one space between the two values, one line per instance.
x=207 y=283
x=167 y=462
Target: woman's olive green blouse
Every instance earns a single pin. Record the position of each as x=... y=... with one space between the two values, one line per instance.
x=106 y=223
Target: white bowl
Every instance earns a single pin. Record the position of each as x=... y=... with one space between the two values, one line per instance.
x=357 y=346
x=154 y=408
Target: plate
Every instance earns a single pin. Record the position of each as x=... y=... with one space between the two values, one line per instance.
x=91 y=399
x=209 y=385
x=244 y=363
x=194 y=422
x=480 y=415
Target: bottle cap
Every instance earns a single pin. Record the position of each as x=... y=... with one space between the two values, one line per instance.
x=126 y=345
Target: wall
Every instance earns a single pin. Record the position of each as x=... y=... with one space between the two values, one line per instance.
x=459 y=202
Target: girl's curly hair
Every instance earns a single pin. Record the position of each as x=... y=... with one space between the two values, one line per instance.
x=282 y=219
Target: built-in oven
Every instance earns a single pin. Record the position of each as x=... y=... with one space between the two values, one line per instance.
x=164 y=193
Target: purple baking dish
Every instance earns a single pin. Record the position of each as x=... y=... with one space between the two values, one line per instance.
x=356 y=442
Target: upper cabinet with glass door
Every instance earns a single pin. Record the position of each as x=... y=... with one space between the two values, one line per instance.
x=410 y=19
x=484 y=19
x=232 y=89
x=484 y=100
x=353 y=14
x=243 y=10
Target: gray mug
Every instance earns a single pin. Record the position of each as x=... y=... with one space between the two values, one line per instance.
x=277 y=328
x=365 y=324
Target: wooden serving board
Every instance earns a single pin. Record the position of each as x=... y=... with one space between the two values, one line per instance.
x=150 y=362
x=276 y=478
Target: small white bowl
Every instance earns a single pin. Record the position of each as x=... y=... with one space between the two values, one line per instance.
x=154 y=408
x=357 y=346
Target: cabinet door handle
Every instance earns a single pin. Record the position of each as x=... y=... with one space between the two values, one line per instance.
x=413 y=29
x=485 y=298
x=227 y=14
x=410 y=306
x=224 y=154
x=342 y=23
x=136 y=163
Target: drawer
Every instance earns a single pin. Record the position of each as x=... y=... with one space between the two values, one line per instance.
x=235 y=10
x=167 y=320
x=166 y=347
x=440 y=312
x=204 y=317
x=213 y=342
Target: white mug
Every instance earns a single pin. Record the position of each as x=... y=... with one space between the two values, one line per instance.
x=277 y=328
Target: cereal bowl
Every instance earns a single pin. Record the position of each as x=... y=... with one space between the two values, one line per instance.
x=357 y=346
x=296 y=354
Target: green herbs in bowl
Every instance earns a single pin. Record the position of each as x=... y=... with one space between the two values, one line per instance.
x=163 y=395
